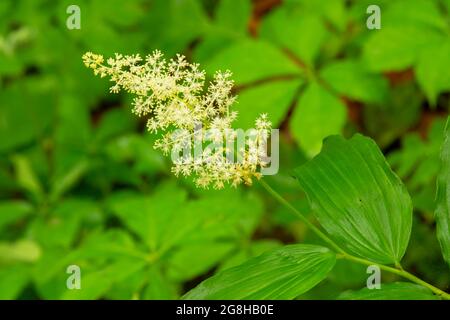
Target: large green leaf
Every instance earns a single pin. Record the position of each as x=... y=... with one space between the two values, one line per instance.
x=397 y=48
x=424 y=13
x=351 y=79
x=252 y=60
x=317 y=115
x=273 y=98
x=443 y=197
x=303 y=34
x=358 y=199
x=432 y=70
x=391 y=291
x=408 y=27
x=283 y=273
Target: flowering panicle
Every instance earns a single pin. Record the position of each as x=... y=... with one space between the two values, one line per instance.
x=173 y=96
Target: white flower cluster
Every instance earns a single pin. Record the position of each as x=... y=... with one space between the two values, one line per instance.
x=173 y=96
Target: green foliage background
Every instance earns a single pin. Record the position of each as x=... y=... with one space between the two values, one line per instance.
x=80 y=183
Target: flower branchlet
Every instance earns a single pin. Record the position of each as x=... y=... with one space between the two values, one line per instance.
x=173 y=96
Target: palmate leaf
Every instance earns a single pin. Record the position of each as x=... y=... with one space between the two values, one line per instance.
x=283 y=273
x=256 y=248
x=317 y=115
x=442 y=212
x=252 y=60
x=114 y=246
x=181 y=266
x=358 y=199
x=430 y=70
x=231 y=20
x=351 y=79
x=96 y=283
x=293 y=30
x=424 y=13
x=397 y=48
x=273 y=98
x=150 y=216
x=61 y=226
x=166 y=218
x=159 y=287
x=391 y=291
x=417 y=163
x=408 y=27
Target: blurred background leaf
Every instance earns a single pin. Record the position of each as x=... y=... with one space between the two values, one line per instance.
x=80 y=182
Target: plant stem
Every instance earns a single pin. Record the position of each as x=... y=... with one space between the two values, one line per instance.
x=397 y=271
x=344 y=255
x=316 y=230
